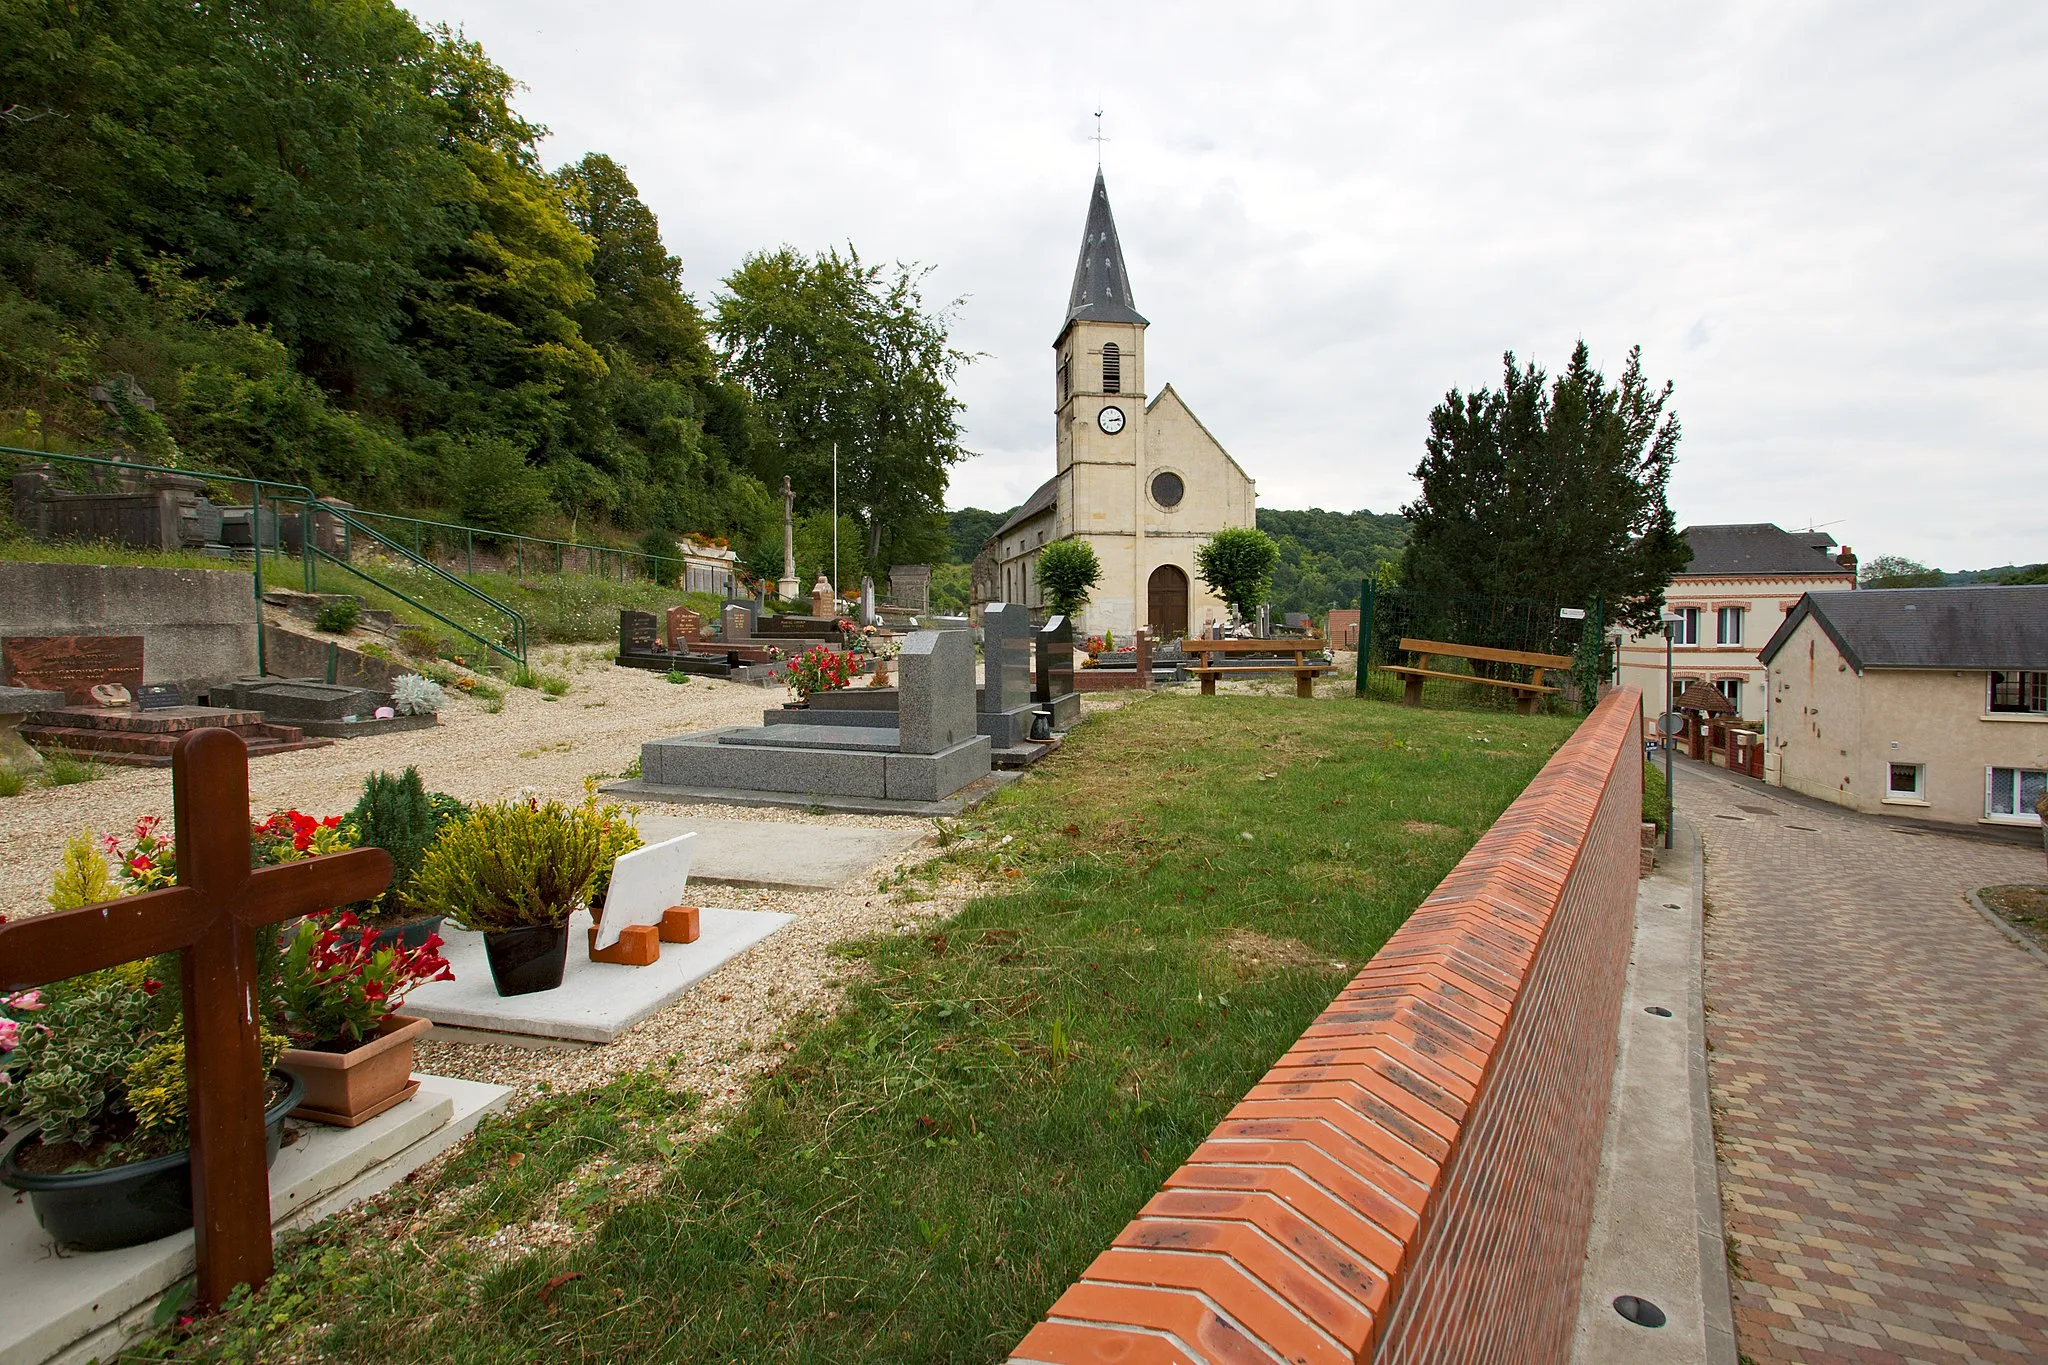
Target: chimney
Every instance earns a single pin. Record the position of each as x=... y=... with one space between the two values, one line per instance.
x=1847 y=559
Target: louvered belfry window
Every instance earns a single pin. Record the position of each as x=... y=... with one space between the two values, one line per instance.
x=1112 y=368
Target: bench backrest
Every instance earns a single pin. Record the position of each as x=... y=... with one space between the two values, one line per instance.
x=1303 y=645
x=1493 y=656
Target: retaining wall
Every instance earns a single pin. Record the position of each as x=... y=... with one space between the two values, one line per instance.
x=1413 y=1181
x=198 y=626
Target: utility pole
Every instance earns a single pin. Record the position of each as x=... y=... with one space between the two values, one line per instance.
x=1671 y=620
x=835 y=528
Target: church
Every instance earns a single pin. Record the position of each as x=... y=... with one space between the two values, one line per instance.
x=1143 y=482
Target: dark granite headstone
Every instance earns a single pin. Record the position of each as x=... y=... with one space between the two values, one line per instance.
x=1055 y=641
x=158 y=697
x=637 y=632
x=73 y=664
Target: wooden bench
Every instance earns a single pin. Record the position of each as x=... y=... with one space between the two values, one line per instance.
x=1305 y=673
x=1525 y=693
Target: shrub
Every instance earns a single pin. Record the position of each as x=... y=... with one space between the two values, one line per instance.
x=1237 y=565
x=338 y=615
x=510 y=865
x=819 y=669
x=664 y=562
x=412 y=695
x=1067 y=571
x=11 y=782
x=83 y=877
x=395 y=815
x=62 y=768
x=419 y=642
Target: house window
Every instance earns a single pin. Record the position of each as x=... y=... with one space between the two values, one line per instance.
x=1905 y=781
x=1731 y=688
x=2019 y=691
x=1112 y=368
x=2011 y=794
x=1686 y=629
x=1728 y=626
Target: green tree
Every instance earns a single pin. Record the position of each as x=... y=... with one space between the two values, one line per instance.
x=2037 y=573
x=1325 y=555
x=1067 y=572
x=834 y=351
x=969 y=529
x=1237 y=565
x=1555 y=491
x=1897 y=571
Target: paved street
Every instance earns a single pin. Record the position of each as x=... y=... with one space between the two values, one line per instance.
x=1880 y=1081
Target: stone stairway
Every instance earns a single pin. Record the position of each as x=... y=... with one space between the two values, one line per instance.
x=144 y=739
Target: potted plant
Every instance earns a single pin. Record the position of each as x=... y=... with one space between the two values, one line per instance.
x=338 y=993
x=514 y=871
x=93 y=1069
x=399 y=815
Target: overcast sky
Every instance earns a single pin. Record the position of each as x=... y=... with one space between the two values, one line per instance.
x=1827 y=225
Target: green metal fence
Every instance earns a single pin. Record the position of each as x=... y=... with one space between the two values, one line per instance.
x=270 y=502
x=529 y=554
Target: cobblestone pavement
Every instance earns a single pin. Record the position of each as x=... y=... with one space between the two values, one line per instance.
x=1880 y=1085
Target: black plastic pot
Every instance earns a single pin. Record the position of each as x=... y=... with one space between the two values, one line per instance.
x=527 y=960
x=125 y=1206
x=412 y=934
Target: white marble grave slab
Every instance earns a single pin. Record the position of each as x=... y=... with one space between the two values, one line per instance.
x=644 y=883
x=80 y=1305
x=597 y=1001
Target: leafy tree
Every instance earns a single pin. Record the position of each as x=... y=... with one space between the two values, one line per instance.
x=1237 y=565
x=1555 y=491
x=837 y=352
x=1897 y=571
x=2037 y=573
x=1325 y=555
x=969 y=529
x=1067 y=572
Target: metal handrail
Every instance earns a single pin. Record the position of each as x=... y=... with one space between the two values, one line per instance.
x=350 y=521
x=470 y=533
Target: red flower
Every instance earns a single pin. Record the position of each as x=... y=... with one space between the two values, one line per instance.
x=140 y=863
x=151 y=986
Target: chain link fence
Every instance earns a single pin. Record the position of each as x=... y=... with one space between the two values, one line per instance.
x=1389 y=615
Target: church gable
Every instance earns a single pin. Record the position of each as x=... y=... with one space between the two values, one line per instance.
x=1214 y=491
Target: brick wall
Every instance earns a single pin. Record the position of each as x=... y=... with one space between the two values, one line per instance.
x=1413 y=1181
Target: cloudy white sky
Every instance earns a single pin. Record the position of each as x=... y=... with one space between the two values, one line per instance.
x=1826 y=224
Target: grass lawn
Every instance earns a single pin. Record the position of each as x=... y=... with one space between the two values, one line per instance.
x=1177 y=893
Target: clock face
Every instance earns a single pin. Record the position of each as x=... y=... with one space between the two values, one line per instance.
x=1110 y=420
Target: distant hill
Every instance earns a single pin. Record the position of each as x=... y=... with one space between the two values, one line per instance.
x=969 y=527
x=1325 y=555
x=2004 y=573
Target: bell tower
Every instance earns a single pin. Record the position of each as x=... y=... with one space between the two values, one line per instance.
x=1099 y=395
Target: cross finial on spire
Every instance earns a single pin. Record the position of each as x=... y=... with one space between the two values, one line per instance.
x=1099 y=139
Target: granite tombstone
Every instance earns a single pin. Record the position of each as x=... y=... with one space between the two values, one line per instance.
x=73 y=664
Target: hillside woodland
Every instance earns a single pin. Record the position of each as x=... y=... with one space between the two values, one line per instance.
x=317 y=243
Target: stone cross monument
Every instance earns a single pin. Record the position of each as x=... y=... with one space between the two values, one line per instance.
x=787 y=586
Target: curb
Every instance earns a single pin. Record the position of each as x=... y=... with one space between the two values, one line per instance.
x=1716 y=1294
x=1998 y=923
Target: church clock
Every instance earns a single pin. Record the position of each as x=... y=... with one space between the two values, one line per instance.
x=1110 y=419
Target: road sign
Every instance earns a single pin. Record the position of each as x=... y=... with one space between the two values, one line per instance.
x=1670 y=723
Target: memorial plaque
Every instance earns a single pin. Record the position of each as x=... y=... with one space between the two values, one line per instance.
x=684 y=627
x=73 y=664
x=636 y=632
x=645 y=883
x=158 y=697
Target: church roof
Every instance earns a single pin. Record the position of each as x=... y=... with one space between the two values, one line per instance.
x=1039 y=503
x=1102 y=286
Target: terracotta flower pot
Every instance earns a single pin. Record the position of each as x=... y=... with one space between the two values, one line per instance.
x=348 y=1088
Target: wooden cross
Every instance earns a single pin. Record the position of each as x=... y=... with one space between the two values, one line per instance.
x=210 y=918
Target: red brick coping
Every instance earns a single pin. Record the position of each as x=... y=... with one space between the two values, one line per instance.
x=1413 y=1181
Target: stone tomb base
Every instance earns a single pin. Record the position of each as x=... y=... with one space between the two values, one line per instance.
x=82 y=1306
x=837 y=760
x=968 y=797
x=596 y=1001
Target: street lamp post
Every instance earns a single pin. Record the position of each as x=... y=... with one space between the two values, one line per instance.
x=1671 y=620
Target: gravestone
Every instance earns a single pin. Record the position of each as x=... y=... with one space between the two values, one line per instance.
x=910 y=587
x=1006 y=703
x=684 y=627
x=636 y=633
x=73 y=664
x=737 y=621
x=936 y=694
x=867 y=600
x=16 y=705
x=1265 y=622
x=1054 y=684
x=1141 y=655
x=822 y=603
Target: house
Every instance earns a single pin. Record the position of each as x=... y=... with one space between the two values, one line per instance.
x=1931 y=702
x=1144 y=483
x=1739 y=586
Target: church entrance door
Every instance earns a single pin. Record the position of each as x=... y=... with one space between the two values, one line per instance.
x=1166 y=607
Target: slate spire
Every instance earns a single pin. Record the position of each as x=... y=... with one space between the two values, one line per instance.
x=1102 y=287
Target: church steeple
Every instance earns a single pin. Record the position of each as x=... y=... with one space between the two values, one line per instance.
x=1102 y=287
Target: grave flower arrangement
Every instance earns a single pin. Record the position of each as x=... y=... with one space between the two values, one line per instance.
x=819 y=669
x=338 y=993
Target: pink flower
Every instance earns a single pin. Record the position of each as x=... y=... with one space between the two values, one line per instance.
x=10 y=1034
x=27 y=1000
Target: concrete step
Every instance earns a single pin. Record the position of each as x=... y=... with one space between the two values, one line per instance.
x=152 y=749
